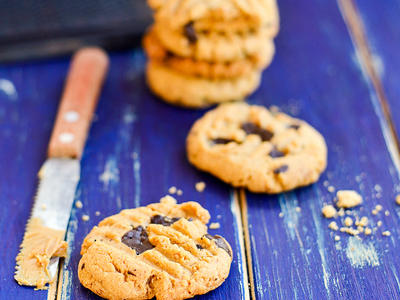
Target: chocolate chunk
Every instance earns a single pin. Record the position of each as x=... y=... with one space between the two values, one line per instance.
x=294 y=126
x=220 y=242
x=137 y=239
x=190 y=33
x=281 y=169
x=275 y=153
x=251 y=128
x=83 y=266
x=199 y=247
x=190 y=219
x=222 y=141
x=163 y=220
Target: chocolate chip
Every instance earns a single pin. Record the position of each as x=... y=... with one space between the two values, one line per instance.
x=220 y=242
x=222 y=141
x=130 y=273
x=190 y=33
x=199 y=247
x=137 y=239
x=251 y=128
x=190 y=219
x=275 y=153
x=83 y=266
x=281 y=169
x=294 y=126
x=163 y=220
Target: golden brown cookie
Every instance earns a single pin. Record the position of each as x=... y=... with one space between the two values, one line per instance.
x=162 y=250
x=207 y=13
x=196 y=92
x=248 y=146
x=188 y=66
x=213 y=46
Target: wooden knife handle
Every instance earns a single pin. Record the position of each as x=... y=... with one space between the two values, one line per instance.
x=85 y=77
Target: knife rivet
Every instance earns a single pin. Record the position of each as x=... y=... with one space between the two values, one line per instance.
x=71 y=116
x=66 y=137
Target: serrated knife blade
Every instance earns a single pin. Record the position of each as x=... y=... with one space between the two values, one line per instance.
x=43 y=244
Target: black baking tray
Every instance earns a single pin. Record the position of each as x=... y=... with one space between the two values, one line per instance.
x=32 y=29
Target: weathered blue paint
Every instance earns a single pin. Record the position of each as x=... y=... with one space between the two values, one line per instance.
x=315 y=75
x=28 y=101
x=135 y=152
x=381 y=24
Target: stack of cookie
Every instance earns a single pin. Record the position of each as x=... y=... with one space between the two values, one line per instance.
x=209 y=51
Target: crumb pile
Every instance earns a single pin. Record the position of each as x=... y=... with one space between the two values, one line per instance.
x=347 y=221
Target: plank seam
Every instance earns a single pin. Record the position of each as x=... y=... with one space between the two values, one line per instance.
x=247 y=243
x=356 y=28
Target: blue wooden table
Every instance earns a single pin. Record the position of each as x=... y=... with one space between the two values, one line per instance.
x=337 y=66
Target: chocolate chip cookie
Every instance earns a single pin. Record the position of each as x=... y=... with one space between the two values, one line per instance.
x=189 y=66
x=162 y=250
x=248 y=146
x=197 y=92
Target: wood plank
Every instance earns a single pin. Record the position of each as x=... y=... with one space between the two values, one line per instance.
x=28 y=102
x=135 y=152
x=316 y=77
x=382 y=29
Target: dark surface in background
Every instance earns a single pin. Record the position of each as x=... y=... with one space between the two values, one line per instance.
x=32 y=29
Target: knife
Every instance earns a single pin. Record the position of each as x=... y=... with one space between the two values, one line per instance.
x=43 y=243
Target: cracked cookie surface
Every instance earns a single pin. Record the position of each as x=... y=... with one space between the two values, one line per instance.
x=162 y=250
x=248 y=146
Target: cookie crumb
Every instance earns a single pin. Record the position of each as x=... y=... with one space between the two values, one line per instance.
x=172 y=190
x=348 y=222
x=179 y=192
x=379 y=223
x=43 y=207
x=326 y=183
x=200 y=186
x=333 y=225
x=331 y=189
x=363 y=221
x=97 y=213
x=386 y=233
x=214 y=225
x=78 y=204
x=374 y=212
x=378 y=207
x=349 y=230
x=329 y=211
x=85 y=218
x=341 y=212
x=298 y=209
x=398 y=199
x=281 y=215
x=337 y=238
x=367 y=231
x=387 y=213
x=348 y=199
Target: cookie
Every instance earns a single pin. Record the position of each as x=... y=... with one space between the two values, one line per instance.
x=185 y=65
x=177 y=14
x=212 y=46
x=162 y=250
x=196 y=92
x=248 y=146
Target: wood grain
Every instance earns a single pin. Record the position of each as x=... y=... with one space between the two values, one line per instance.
x=316 y=76
x=82 y=87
